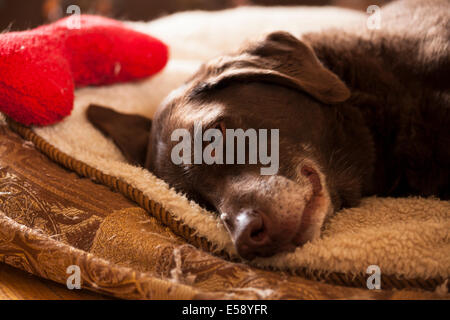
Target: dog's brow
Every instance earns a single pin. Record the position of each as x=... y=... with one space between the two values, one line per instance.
x=198 y=90
x=204 y=114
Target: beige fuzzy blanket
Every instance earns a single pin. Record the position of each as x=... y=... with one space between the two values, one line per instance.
x=407 y=238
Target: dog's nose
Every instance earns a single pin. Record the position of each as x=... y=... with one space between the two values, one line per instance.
x=251 y=235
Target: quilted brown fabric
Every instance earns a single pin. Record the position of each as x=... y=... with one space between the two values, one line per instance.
x=51 y=218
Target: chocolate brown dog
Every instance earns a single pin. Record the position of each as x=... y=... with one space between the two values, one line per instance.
x=359 y=113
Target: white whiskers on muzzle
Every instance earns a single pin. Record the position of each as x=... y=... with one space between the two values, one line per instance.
x=280 y=213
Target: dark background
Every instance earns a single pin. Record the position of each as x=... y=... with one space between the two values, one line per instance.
x=25 y=14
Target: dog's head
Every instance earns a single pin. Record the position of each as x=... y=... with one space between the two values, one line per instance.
x=271 y=200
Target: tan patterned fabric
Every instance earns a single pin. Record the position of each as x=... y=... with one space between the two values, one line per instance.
x=53 y=201
x=50 y=219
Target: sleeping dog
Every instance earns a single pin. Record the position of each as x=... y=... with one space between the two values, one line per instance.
x=359 y=113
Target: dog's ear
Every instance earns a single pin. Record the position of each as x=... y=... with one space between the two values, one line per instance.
x=282 y=59
x=129 y=132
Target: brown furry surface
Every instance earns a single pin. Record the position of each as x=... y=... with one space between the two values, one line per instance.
x=390 y=138
x=400 y=81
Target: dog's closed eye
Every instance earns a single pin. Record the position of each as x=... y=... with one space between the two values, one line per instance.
x=218 y=126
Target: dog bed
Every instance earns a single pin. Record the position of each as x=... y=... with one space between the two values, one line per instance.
x=51 y=219
x=408 y=239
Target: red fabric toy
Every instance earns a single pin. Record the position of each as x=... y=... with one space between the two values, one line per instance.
x=40 y=68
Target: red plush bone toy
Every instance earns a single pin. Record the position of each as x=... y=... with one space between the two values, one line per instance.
x=40 y=68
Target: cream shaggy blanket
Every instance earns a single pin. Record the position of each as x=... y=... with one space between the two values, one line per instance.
x=404 y=237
